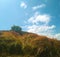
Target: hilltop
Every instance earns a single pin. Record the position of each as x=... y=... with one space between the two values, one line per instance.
x=23 y=44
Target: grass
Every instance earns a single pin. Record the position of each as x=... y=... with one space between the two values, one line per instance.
x=13 y=44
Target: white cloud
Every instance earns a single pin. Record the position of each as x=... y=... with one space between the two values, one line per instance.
x=39 y=18
x=57 y=36
x=41 y=29
x=38 y=6
x=23 y=5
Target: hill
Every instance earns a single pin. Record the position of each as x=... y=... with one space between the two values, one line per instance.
x=14 y=44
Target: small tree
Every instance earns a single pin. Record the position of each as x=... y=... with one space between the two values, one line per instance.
x=16 y=29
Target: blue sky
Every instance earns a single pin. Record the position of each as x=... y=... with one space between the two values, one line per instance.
x=37 y=16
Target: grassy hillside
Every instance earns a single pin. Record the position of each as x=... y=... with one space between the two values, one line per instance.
x=14 y=44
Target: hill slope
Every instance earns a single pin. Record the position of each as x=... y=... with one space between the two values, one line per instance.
x=27 y=45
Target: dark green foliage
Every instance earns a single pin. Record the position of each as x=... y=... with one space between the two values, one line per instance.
x=27 y=50
x=16 y=49
x=3 y=49
x=16 y=29
x=34 y=51
x=12 y=49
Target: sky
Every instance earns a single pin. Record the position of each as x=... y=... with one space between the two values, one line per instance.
x=37 y=16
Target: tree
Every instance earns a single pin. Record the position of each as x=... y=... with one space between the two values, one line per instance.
x=16 y=29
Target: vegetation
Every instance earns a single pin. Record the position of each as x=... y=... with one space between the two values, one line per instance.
x=13 y=44
x=16 y=29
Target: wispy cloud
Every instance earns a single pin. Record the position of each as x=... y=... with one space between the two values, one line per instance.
x=38 y=6
x=57 y=36
x=41 y=29
x=44 y=18
x=23 y=5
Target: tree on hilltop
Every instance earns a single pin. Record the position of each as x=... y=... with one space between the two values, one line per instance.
x=16 y=29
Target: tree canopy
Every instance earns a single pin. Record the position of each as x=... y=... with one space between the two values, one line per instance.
x=16 y=28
